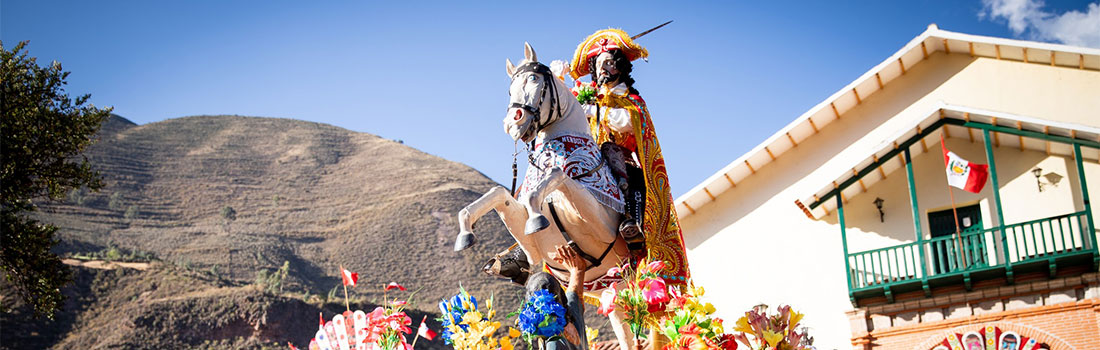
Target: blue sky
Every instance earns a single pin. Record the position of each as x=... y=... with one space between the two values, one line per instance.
x=722 y=78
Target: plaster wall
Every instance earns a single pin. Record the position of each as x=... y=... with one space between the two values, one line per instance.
x=753 y=245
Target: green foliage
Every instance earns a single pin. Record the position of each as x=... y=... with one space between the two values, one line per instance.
x=44 y=132
x=272 y=281
x=112 y=254
x=131 y=212
x=115 y=203
x=229 y=214
x=331 y=294
x=78 y=196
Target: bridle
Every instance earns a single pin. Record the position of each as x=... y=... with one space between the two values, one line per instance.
x=536 y=109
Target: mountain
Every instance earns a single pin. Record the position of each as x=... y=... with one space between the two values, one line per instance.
x=217 y=204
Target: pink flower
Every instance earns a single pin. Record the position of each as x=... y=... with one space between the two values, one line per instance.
x=655 y=266
x=655 y=292
x=607 y=301
x=398 y=303
x=613 y=271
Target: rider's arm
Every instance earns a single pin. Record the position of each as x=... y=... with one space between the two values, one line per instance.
x=575 y=264
x=617 y=118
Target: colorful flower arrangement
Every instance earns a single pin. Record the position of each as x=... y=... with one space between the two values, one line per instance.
x=690 y=324
x=542 y=316
x=760 y=331
x=585 y=92
x=467 y=328
x=642 y=296
x=381 y=329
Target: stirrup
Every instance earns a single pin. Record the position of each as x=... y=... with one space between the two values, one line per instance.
x=632 y=234
x=511 y=264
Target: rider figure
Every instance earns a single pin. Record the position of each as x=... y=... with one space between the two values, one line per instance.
x=613 y=117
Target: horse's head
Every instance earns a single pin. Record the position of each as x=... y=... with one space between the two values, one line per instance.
x=534 y=102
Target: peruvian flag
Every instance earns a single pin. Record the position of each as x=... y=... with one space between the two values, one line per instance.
x=349 y=277
x=424 y=331
x=963 y=174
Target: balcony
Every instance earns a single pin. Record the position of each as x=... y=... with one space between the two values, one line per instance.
x=1002 y=251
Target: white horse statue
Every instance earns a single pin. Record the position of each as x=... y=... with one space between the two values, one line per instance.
x=567 y=177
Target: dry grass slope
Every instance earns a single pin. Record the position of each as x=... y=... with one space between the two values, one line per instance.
x=313 y=195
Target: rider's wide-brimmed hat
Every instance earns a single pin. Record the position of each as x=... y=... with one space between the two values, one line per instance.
x=602 y=41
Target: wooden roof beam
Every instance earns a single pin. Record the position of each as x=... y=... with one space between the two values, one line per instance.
x=1052 y=58
x=998 y=48
x=880 y=171
x=750 y=166
x=813 y=125
x=969 y=131
x=924 y=50
x=946 y=49
x=791 y=138
x=1020 y=127
x=1025 y=55
x=971 y=45
x=858 y=99
x=770 y=154
x=732 y=184
x=1046 y=130
x=902 y=65
x=878 y=78
x=686 y=205
x=707 y=191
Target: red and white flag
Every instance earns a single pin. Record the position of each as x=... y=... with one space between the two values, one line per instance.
x=394 y=285
x=424 y=331
x=349 y=277
x=963 y=174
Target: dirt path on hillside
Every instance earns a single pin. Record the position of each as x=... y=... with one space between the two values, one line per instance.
x=107 y=265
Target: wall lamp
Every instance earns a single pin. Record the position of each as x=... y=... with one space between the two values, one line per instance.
x=878 y=204
x=1038 y=172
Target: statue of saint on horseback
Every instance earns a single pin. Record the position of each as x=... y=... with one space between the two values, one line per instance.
x=596 y=169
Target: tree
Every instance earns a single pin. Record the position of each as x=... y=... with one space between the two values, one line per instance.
x=44 y=132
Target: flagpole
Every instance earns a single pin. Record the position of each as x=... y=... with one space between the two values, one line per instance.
x=958 y=231
x=342 y=277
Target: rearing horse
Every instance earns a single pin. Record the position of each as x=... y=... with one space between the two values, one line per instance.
x=566 y=177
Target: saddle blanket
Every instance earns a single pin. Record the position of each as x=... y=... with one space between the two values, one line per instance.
x=575 y=156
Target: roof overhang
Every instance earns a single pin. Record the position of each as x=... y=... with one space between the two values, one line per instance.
x=1008 y=130
x=853 y=94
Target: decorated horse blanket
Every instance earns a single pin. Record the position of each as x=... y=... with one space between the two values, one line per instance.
x=576 y=156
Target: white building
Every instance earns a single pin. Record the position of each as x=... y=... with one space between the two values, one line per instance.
x=765 y=228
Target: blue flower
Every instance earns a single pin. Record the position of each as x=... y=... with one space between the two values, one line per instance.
x=542 y=315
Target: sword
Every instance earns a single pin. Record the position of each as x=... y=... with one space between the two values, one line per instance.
x=650 y=30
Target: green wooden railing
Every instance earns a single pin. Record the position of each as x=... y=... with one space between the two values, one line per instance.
x=972 y=251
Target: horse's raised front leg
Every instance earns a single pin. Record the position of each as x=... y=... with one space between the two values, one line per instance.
x=495 y=198
x=533 y=200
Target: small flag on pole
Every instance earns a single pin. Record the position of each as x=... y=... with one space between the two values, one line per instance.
x=963 y=174
x=350 y=278
x=394 y=285
x=424 y=331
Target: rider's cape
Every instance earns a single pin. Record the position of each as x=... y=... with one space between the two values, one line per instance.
x=664 y=240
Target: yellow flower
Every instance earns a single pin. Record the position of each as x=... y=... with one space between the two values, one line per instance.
x=698 y=291
x=795 y=318
x=514 y=333
x=743 y=325
x=471 y=317
x=773 y=338
x=709 y=308
x=506 y=344
x=591 y=334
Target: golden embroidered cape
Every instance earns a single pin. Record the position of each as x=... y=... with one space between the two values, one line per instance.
x=664 y=240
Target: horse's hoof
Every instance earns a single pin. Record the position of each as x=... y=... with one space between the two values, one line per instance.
x=464 y=240
x=536 y=224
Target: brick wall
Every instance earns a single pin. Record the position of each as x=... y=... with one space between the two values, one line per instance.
x=1065 y=318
